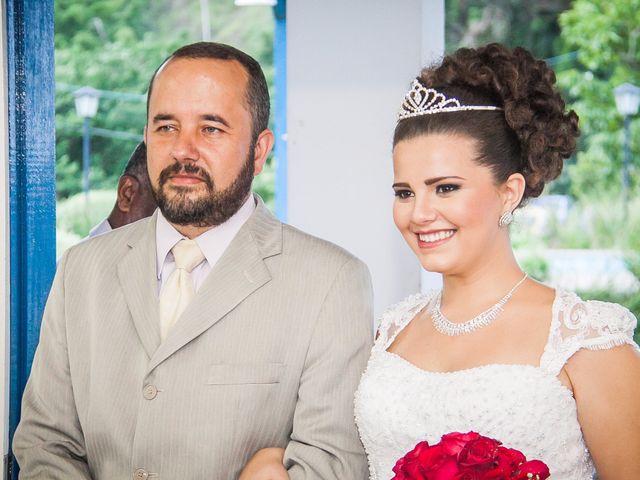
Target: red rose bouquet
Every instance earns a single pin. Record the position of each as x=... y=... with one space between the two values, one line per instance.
x=467 y=456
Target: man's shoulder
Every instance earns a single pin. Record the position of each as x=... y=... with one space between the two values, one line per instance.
x=275 y=237
x=314 y=249
x=110 y=244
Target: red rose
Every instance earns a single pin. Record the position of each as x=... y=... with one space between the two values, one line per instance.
x=510 y=458
x=434 y=457
x=420 y=461
x=467 y=456
x=498 y=472
x=418 y=450
x=469 y=474
x=409 y=467
x=411 y=470
x=480 y=452
x=536 y=468
x=408 y=470
x=446 y=470
x=453 y=442
x=426 y=462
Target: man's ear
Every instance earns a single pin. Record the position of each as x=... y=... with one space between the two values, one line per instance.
x=127 y=190
x=264 y=144
x=512 y=191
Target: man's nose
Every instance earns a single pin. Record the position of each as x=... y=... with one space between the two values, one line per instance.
x=185 y=147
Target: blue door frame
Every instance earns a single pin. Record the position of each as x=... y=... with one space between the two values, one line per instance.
x=31 y=121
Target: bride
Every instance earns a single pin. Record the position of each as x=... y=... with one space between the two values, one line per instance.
x=494 y=351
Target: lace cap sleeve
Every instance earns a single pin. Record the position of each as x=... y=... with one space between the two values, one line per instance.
x=396 y=317
x=591 y=324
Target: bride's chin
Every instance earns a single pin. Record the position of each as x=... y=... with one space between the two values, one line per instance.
x=432 y=268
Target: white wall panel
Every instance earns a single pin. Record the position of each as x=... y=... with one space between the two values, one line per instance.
x=349 y=66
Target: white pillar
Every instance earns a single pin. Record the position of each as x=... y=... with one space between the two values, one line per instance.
x=349 y=65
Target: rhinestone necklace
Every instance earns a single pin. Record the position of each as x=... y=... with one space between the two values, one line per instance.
x=447 y=327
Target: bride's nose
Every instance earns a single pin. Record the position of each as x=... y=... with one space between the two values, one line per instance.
x=423 y=210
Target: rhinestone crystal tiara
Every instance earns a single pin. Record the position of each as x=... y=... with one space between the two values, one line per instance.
x=421 y=100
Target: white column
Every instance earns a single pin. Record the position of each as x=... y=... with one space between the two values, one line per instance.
x=4 y=239
x=349 y=65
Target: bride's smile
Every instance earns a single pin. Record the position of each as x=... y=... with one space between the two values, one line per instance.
x=433 y=239
x=447 y=204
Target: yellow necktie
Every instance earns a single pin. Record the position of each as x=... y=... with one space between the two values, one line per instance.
x=178 y=291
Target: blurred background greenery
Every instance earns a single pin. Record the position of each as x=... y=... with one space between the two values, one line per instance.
x=593 y=45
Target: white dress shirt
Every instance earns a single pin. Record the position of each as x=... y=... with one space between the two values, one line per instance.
x=213 y=244
x=103 y=227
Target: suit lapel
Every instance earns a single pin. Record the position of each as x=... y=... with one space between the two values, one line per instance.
x=239 y=272
x=138 y=278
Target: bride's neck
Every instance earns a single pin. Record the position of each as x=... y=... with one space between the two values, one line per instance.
x=492 y=280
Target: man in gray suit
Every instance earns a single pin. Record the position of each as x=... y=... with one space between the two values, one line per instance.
x=160 y=364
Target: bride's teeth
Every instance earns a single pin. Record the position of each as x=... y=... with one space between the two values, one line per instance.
x=434 y=237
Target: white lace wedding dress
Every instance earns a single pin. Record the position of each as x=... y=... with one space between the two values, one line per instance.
x=526 y=407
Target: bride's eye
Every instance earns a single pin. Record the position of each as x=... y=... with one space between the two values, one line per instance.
x=403 y=194
x=447 y=188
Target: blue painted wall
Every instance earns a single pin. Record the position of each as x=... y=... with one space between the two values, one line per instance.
x=31 y=182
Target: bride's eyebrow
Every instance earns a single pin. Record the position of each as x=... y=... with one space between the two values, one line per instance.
x=400 y=185
x=431 y=181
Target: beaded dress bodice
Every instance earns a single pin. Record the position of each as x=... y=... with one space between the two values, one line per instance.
x=526 y=407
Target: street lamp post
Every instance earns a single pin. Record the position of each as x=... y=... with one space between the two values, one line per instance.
x=627 y=102
x=86 y=108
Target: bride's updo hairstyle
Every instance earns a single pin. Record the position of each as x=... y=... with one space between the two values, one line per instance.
x=531 y=134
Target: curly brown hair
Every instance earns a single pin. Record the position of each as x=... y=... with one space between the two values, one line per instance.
x=534 y=133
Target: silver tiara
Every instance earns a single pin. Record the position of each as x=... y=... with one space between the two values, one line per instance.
x=421 y=100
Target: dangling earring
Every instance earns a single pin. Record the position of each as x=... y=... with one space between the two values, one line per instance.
x=505 y=219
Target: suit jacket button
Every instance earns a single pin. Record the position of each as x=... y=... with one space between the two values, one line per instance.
x=140 y=474
x=149 y=392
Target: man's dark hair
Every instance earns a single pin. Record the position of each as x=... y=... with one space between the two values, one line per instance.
x=257 y=92
x=137 y=165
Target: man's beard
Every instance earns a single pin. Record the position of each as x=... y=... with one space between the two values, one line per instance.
x=211 y=208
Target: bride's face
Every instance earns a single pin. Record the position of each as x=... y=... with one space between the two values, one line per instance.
x=446 y=205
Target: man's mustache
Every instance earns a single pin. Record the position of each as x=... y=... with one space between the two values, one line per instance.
x=185 y=168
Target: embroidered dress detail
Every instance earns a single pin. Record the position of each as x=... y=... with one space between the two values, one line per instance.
x=398 y=404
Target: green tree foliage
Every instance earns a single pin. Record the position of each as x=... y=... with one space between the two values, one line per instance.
x=115 y=45
x=534 y=25
x=605 y=35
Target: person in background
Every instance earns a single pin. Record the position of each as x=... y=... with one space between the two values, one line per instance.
x=134 y=196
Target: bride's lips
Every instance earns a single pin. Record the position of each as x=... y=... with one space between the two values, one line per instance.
x=434 y=238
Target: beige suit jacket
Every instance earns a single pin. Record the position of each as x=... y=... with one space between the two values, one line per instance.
x=269 y=353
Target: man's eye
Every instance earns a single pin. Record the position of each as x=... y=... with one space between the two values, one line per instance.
x=403 y=194
x=211 y=129
x=446 y=188
x=165 y=128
